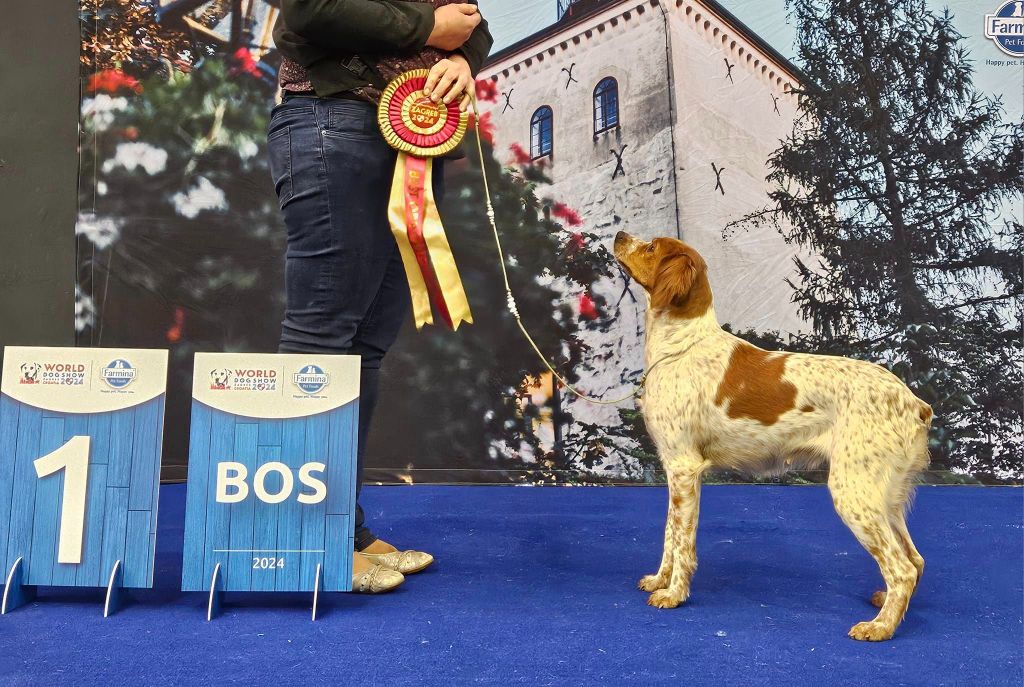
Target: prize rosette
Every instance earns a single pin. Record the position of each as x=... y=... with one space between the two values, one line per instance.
x=421 y=130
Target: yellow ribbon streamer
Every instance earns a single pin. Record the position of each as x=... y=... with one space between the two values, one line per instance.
x=441 y=258
x=396 y=216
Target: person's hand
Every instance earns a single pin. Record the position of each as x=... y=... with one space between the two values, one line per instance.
x=450 y=79
x=453 y=25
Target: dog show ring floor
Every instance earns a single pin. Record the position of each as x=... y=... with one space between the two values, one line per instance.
x=537 y=586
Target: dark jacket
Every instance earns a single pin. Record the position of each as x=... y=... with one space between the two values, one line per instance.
x=325 y=35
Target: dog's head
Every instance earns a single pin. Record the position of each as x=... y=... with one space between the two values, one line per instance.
x=673 y=273
x=30 y=372
x=219 y=378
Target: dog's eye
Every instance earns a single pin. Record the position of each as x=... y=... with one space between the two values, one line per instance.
x=650 y=248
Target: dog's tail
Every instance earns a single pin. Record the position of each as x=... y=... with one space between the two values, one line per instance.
x=925 y=413
x=918 y=455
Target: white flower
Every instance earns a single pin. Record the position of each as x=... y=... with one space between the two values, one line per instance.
x=102 y=231
x=101 y=188
x=100 y=110
x=248 y=149
x=131 y=155
x=85 y=310
x=202 y=196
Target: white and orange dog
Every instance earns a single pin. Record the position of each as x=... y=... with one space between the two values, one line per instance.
x=712 y=400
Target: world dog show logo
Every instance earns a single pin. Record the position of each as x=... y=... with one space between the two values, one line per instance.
x=1006 y=27
x=118 y=374
x=311 y=379
x=64 y=374
x=223 y=379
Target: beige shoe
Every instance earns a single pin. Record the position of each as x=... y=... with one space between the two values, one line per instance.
x=376 y=580
x=405 y=562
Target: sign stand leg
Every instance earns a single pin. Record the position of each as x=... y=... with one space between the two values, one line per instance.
x=15 y=593
x=216 y=594
x=316 y=591
x=113 y=602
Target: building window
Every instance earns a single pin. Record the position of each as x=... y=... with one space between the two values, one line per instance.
x=542 y=132
x=606 y=105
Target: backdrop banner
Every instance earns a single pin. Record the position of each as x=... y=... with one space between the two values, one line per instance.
x=847 y=201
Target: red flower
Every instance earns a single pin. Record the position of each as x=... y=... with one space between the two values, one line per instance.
x=576 y=243
x=486 y=128
x=112 y=81
x=130 y=133
x=588 y=310
x=519 y=155
x=566 y=214
x=487 y=90
x=245 y=64
x=175 y=331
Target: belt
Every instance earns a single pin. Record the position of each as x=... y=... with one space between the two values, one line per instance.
x=344 y=95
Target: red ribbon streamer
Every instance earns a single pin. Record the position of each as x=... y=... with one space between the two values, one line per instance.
x=415 y=207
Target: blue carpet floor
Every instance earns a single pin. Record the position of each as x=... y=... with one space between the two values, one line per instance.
x=536 y=586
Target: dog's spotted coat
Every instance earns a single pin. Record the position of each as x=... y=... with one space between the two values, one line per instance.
x=713 y=400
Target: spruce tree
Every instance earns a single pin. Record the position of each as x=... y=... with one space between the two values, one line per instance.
x=903 y=181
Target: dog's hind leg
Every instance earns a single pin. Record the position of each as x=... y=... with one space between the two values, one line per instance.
x=659 y=580
x=684 y=477
x=901 y=494
x=864 y=508
x=899 y=525
x=898 y=500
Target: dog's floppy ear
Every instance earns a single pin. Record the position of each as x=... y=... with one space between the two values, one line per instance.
x=675 y=277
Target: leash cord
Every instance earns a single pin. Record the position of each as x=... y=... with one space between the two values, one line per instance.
x=513 y=308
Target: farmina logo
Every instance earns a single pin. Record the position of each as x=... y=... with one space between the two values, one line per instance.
x=119 y=374
x=1006 y=27
x=311 y=379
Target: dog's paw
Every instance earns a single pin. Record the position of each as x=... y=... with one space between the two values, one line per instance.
x=651 y=583
x=662 y=598
x=871 y=632
x=878 y=599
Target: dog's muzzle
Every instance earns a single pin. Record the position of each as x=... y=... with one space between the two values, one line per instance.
x=623 y=243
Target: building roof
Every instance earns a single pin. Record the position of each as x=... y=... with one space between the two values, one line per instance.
x=582 y=10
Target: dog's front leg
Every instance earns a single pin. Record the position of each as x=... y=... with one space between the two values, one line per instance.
x=684 y=480
x=660 y=579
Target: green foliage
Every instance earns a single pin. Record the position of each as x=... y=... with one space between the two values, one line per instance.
x=203 y=133
x=181 y=238
x=465 y=392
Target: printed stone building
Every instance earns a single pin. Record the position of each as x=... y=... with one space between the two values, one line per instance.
x=693 y=103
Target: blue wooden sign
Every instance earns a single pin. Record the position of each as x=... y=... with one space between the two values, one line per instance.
x=80 y=441
x=271 y=473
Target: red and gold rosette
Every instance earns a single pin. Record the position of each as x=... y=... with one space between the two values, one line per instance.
x=420 y=130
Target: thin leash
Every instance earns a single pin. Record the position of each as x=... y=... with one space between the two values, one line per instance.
x=514 y=309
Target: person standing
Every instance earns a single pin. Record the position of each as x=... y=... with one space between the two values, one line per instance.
x=346 y=290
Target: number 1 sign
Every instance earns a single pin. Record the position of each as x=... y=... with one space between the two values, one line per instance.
x=80 y=442
x=272 y=460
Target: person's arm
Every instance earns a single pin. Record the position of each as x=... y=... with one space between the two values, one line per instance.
x=361 y=26
x=478 y=46
x=453 y=78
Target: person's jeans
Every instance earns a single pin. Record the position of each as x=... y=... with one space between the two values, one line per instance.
x=346 y=287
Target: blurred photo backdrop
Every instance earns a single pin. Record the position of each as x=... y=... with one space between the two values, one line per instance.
x=850 y=170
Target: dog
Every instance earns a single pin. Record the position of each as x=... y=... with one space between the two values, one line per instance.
x=30 y=373
x=712 y=400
